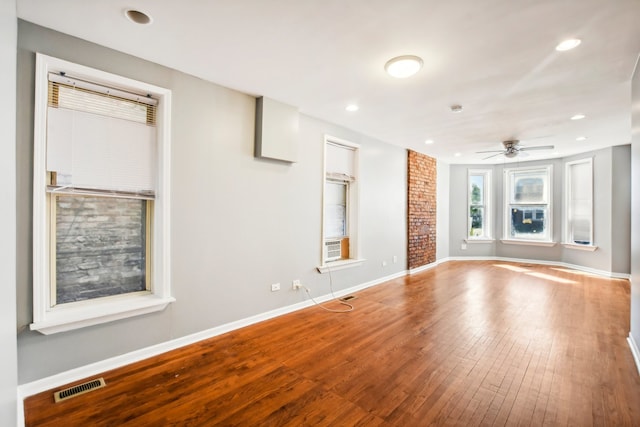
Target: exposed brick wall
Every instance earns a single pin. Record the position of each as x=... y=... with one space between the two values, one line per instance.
x=421 y=211
x=100 y=245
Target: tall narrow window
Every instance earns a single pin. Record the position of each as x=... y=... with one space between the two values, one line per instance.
x=528 y=204
x=579 y=202
x=339 y=233
x=101 y=195
x=479 y=220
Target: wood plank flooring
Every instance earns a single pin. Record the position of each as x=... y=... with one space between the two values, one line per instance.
x=466 y=343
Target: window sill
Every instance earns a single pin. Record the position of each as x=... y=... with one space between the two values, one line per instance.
x=528 y=242
x=587 y=248
x=471 y=241
x=88 y=313
x=340 y=265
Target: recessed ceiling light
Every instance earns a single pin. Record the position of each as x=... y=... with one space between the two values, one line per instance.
x=456 y=108
x=458 y=154
x=578 y=117
x=138 y=17
x=404 y=66
x=429 y=141
x=568 y=44
x=581 y=138
x=352 y=107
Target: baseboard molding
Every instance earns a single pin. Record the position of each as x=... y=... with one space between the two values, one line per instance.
x=604 y=273
x=634 y=351
x=57 y=380
x=44 y=384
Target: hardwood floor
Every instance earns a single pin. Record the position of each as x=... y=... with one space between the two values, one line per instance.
x=465 y=343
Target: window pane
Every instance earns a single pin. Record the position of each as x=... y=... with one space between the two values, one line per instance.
x=476 y=218
x=529 y=187
x=100 y=247
x=529 y=222
x=477 y=189
x=335 y=209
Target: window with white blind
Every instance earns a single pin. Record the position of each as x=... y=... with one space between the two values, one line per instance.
x=340 y=204
x=579 y=203
x=528 y=210
x=101 y=197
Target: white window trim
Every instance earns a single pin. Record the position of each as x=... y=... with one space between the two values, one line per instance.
x=488 y=211
x=65 y=317
x=353 y=222
x=507 y=209
x=566 y=241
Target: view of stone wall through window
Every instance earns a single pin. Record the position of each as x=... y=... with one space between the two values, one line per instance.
x=100 y=247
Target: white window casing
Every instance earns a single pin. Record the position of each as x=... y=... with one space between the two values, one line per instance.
x=528 y=210
x=146 y=175
x=340 y=204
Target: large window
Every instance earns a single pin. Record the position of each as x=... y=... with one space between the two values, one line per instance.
x=340 y=202
x=528 y=204
x=579 y=202
x=479 y=220
x=101 y=197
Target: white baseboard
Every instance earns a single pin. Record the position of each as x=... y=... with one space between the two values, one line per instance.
x=604 y=273
x=38 y=386
x=634 y=351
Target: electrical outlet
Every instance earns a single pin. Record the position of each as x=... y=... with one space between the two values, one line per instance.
x=463 y=246
x=384 y=263
x=275 y=287
x=296 y=285
x=395 y=259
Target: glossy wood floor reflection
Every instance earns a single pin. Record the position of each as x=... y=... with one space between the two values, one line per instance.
x=465 y=343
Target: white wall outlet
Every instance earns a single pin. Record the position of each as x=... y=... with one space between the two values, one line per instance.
x=463 y=246
x=296 y=284
x=395 y=259
x=275 y=287
x=384 y=263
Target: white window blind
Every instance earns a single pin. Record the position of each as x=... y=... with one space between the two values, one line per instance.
x=340 y=162
x=100 y=139
x=580 y=206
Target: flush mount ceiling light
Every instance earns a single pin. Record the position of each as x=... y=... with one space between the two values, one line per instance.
x=458 y=154
x=138 y=17
x=352 y=107
x=404 y=66
x=578 y=117
x=429 y=141
x=456 y=108
x=581 y=138
x=568 y=44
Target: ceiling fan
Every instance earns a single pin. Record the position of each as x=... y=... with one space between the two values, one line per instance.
x=512 y=148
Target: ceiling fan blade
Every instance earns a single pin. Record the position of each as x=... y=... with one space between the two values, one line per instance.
x=493 y=155
x=490 y=151
x=543 y=147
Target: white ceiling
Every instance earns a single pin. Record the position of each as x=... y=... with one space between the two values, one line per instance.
x=496 y=58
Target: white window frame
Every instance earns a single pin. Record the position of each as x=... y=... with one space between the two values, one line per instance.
x=352 y=210
x=65 y=317
x=568 y=239
x=486 y=205
x=507 y=238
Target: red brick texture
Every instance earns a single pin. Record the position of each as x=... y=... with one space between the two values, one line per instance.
x=421 y=199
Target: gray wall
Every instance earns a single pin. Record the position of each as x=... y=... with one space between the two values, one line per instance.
x=442 y=210
x=635 y=206
x=8 y=355
x=611 y=175
x=238 y=223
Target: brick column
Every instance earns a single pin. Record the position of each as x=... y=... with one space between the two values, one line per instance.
x=421 y=221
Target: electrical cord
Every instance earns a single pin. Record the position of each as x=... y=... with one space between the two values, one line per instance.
x=351 y=307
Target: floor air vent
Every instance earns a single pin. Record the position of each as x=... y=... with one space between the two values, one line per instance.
x=79 y=389
x=347 y=298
